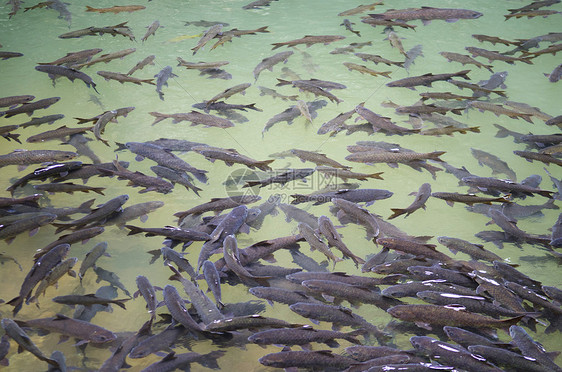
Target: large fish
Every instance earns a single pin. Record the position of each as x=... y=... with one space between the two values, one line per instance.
x=24 y=342
x=309 y=40
x=208 y=36
x=29 y=107
x=116 y=9
x=269 y=62
x=422 y=195
x=427 y=79
x=427 y=14
x=53 y=71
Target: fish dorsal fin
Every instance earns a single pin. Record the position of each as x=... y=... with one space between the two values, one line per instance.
x=340 y=274
x=169 y=357
x=60 y=317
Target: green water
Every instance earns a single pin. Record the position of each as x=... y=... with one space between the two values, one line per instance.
x=35 y=33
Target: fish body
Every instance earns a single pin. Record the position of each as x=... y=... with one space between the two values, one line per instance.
x=497 y=165
x=162 y=79
x=494 y=186
x=29 y=107
x=151 y=31
x=116 y=9
x=123 y=78
x=323 y=359
x=531 y=349
x=427 y=79
x=356 y=196
x=376 y=59
x=60 y=132
x=17 y=334
x=392 y=157
x=230 y=157
x=54 y=70
x=134 y=211
x=175 y=305
x=422 y=195
x=365 y=70
x=435 y=315
x=91 y=258
x=499 y=110
x=476 y=251
x=99 y=214
x=464 y=60
x=88 y=300
x=207 y=36
x=141 y=64
x=74 y=58
x=363 y=216
x=269 y=62
x=427 y=14
x=317 y=158
x=309 y=40
x=74 y=328
x=74 y=237
x=359 y=9
x=147 y=291
x=327 y=229
x=107 y=57
x=496 y=56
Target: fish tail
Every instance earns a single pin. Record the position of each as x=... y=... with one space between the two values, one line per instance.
x=512 y=321
x=502 y=131
x=282 y=82
x=376 y=175
x=262 y=29
x=276 y=45
x=463 y=74
x=397 y=212
x=90 y=9
x=264 y=165
x=134 y=229
x=149 y=81
x=120 y=303
x=17 y=303
x=298 y=198
x=474 y=129
x=436 y=154
x=159 y=117
x=546 y=194
x=526 y=60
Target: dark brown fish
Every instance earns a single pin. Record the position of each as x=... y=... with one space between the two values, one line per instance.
x=422 y=195
x=427 y=14
x=426 y=316
x=427 y=79
x=29 y=107
x=470 y=199
x=308 y=40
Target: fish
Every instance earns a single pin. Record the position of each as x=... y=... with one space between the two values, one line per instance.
x=269 y=62
x=499 y=110
x=135 y=211
x=282 y=177
x=497 y=165
x=422 y=195
x=496 y=56
x=17 y=334
x=427 y=14
x=106 y=58
x=254 y=321
x=376 y=59
x=29 y=107
x=173 y=361
x=116 y=9
x=219 y=204
x=427 y=79
x=375 y=21
x=555 y=75
x=8 y=55
x=532 y=13
x=159 y=341
x=302 y=336
x=111 y=278
x=506 y=358
x=151 y=31
x=212 y=277
x=172 y=233
x=82 y=235
x=12 y=101
x=395 y=42
x=123 y=78
x=281 y=295
x=361 y=215
x=169 y=256
x=231 y=157
x=448 y=130
x=475 y=87
x=162 y=79
x=348 y=26
x=413 y=247
x=464 y=60
x=327 y=229
x=476 y=251
x=323 y=359
x=351 y=48
x=317 y=158
x=54 y=275
x=367 y=196
x=338 y=316
x=542 y=157
x=494 y=186
x=60 y=132
x=91 y=258
x=530 y=349
x=493 y=39
x=205 y=308
x=449 y=354
x=54 y=70
x=98 y=215
x=240 y=88
x=200 y=65
x=141 y=64
x=309 y=40
x=470 y=199
x=43 y=173
x=426 y=316
x=88 y=300
x=316 y=242
x=174 y=177
x=68 y=188
x=74 y=58
x=148 y=292
x=346 y=174
x=31 y=224
x=85 y=331
x=164 y=158
x=207 y=36
x=365 y=70
x=195 y=118
x=324 y=84
x=391 y=157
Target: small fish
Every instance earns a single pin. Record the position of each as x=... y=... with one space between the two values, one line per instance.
x=162 y=79
x=309 y=40
x=123 y=78
x=359 y=9
x=140 y=65
x=89 y=300
x=422 y=195
x=269 y=62
x=207 y=36
x=116 y=9
x=151 y=31
x=91 y=258
x=349 y=26
x=365 y=70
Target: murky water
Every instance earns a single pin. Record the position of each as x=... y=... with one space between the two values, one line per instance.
x=35 y=34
